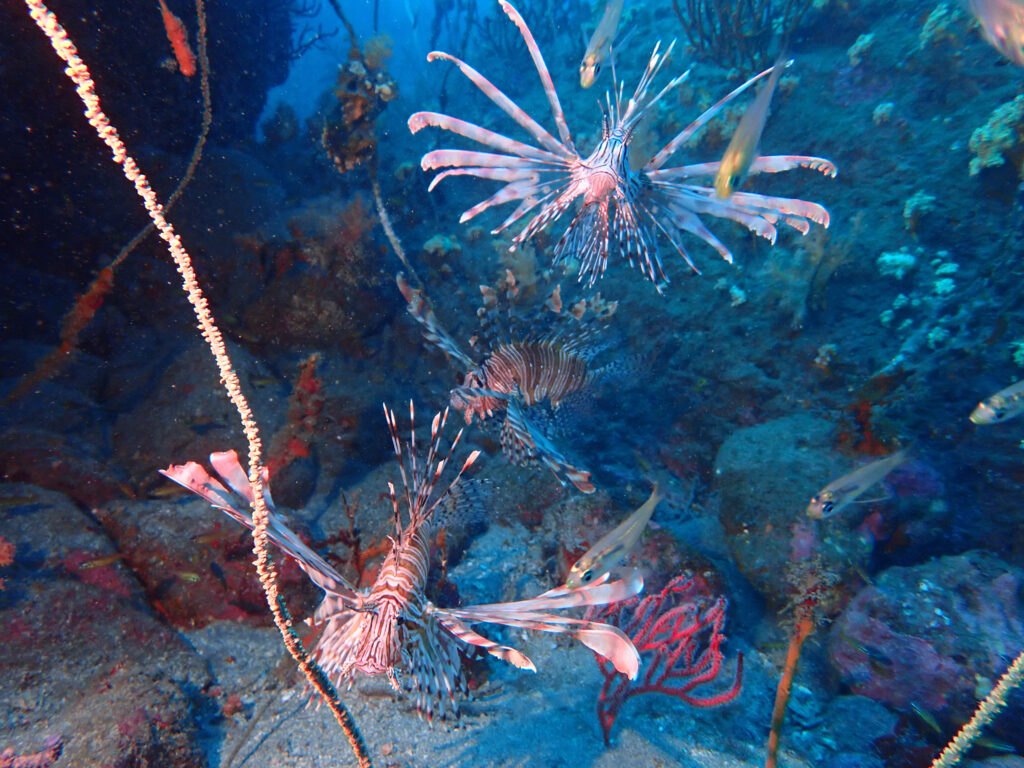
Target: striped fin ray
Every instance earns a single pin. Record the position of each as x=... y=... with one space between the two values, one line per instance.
x=195 y=478
x=420 y=308
x=465 y=633
x=684 y=135
x=437 y=675
x=419 y=484
x=487 y=137
x=586 y=240
x=542 y=70
x=604 y=639
x=506 y=104
x=519 y=436
x=764 y=164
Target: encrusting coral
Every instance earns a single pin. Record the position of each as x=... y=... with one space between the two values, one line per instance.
x=1000 y=134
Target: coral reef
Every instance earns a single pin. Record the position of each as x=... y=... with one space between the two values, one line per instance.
x=945 y=648
x=136 y=625
x=999 y=137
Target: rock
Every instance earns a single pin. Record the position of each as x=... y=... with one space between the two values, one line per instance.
x=83 y=656
x=935 y=636
x=59 y=462
x=195 y=563
x=185 y=415
x=765 y=475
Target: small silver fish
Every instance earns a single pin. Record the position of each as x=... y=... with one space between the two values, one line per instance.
x=1002 y=22
x=600 y=43
x=612 y=547
x=744 y=144
x=1002 y=406
x=835 y=496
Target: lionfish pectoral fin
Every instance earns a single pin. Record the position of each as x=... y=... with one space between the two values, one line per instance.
x=465 y=633
x=523 y=443
x=603 y=639
x=418 y=305
x=611 y=643
x=778 y=163
x=195 y=478
x=227 y=465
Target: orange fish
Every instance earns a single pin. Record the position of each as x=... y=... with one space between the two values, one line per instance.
x=178 y=36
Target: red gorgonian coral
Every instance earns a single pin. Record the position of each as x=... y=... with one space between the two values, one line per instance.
x=678 y=633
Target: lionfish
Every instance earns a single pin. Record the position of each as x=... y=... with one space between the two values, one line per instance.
x=392 y=628
x=512 y=377
x=553 y=175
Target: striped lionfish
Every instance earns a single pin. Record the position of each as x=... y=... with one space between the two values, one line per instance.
x=512 y=377
x=553 y=175
x=392 y=628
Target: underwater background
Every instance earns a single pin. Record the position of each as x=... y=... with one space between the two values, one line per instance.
x=133 y=627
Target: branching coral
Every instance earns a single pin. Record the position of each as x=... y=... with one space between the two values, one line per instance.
x=679 y=635
x=737 y=33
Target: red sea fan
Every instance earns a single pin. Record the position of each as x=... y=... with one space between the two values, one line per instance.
x=678 y=634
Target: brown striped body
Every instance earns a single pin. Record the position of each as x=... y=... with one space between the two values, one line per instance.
x=371 y=639
x=537 y=371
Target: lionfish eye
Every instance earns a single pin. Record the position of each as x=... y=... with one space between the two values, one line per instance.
x=400 y=620
x=460 y=378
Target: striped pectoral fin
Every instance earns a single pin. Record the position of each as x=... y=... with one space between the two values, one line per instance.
x=778 y=163
x=481 y=135
x=195 y=478
x=520 y=438
x=785 y=206
x=542 y=70
x=227 y=465
x=611 y=643
x=603 y=639
x=465 y=633
x=420 y=308
x=506 y=104
x=601 y=591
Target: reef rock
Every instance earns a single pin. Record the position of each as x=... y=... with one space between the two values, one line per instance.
x=934 y=636
x=765 y=476
x=195 y=564
x=83 y=656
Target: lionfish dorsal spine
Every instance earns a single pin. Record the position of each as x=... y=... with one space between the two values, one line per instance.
x=542 y=69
